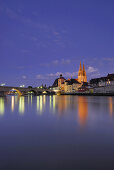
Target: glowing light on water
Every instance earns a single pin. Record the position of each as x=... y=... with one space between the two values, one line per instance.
x=38 y=103
x=54 y=103
x=2 y=107
x=31 y=99
x=28 y=99
x=44 y=99
x=50 y=102
x=12 y=103
x=82 y=110
x=21 y=105
x=16 y=99
x=110 y=106
x=41 y=104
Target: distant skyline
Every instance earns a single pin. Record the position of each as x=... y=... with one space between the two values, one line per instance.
x=39 y=39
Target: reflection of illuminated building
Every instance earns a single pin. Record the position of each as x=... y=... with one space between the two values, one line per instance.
x=50 y=101
x=21 y=104
x=54 y=103
x=82 y=109
x=2 y=107
x=110 y=106
x=41 y=100
x=28 y=99
x=41 y=104
x=38 y=103
x=44 y=99
x=62 y=104
x=16 y=99
x=31 y=99
x=59 y=102
x=12 y=103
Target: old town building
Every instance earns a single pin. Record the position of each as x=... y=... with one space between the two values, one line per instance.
x=72 y=85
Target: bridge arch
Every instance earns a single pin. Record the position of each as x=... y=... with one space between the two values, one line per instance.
x=32 y=91
x=18 y=91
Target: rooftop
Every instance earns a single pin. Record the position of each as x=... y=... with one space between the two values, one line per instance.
x=71 y=81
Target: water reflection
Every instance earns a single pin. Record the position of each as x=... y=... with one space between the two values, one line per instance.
x=16 y=99
x=110 y=106
x=12 y=103
x=59 y=105
x=62 y=104
x=41 y=104
x=54 y=103
x=38 y=103
x=70 y=104
x=41 y=101
x=2 y=106
x=31 y=99
x=44 y=100
x=56 y=133
x=82 y=110
x=50 y=101
x=21 y=105
x=28 y=99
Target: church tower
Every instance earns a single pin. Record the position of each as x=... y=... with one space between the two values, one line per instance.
x=82 y=74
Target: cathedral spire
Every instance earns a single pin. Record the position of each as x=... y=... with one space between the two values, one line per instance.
x=83 y=68
x=84 y=74
x=80 y=69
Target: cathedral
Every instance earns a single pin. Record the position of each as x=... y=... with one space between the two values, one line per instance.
x=71 y=85
x=82 y=74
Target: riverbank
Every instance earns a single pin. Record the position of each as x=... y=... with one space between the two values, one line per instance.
x=90 y=94
x=76 y=94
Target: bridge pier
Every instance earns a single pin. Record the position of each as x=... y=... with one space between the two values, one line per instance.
x=38 y=93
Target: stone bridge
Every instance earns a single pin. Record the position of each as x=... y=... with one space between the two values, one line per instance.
x=4 y=90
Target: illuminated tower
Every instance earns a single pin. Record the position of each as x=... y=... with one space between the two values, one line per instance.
x=61 y=80
x=80 y=74
x=84 y=74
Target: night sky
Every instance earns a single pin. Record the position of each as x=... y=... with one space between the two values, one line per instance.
x=39 y=39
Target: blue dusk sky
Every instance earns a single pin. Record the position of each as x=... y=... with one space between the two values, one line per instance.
x=39 y=39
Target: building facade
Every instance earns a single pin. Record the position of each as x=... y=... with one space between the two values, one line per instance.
x=61 y=81
x=103 y=81
x=72 y=85
x=103 y=84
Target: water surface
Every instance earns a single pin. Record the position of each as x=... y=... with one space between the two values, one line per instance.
x=56 y=132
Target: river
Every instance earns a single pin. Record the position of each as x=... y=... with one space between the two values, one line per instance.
x=56 y=132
